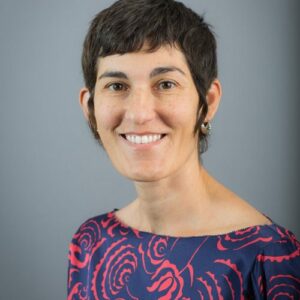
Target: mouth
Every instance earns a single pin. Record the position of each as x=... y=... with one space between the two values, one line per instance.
x=143 y=140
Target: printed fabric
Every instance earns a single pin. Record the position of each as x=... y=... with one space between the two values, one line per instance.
x=110 y=260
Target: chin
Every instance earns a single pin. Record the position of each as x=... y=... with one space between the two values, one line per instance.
x=144 y=176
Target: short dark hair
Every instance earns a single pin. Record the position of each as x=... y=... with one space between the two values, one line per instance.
x=126 y=25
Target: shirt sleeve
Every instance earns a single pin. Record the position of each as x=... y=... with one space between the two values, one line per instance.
x=80 y=249
x=76 y=262
x=276 y=270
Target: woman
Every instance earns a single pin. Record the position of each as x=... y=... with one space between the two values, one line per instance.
x=151 y=91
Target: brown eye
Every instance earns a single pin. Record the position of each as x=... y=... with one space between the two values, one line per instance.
x=117 y=87
x=166 y=85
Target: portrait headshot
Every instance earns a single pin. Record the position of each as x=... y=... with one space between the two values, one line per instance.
x=150 y=150
x=150 y=96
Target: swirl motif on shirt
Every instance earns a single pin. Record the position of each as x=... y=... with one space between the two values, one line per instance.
x=79 y=252
x=114 y=270
x=240 y=239
x=167 y=282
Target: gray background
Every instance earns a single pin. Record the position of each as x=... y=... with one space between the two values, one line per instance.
x=53 y=175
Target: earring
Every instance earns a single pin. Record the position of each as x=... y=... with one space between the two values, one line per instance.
x=206 y=128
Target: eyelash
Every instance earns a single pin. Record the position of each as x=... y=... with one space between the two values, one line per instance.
x=125 y=86
x=110 y=85
x=167 y=82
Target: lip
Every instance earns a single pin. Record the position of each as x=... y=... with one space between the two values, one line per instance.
x=142 y=146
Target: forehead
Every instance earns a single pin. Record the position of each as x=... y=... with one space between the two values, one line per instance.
x=143 y=60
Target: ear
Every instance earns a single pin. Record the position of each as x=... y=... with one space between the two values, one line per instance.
x=84 y=96
x=213 y=98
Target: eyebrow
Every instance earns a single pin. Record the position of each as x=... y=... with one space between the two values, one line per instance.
x=154 y=72
x=162 y=70
x=114 y=74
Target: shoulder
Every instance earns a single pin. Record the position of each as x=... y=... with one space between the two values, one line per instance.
x=276 y=269
x=88 y=236
x=92 y=228
x=283 y=247
x=232 y=211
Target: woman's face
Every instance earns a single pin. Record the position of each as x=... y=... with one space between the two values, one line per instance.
x=140 y=97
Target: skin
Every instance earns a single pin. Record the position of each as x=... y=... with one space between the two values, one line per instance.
x=154 y=92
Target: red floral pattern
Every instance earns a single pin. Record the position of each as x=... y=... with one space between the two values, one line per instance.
x=109 y=260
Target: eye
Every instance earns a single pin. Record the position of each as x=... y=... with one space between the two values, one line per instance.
x=166 y=85
x=116 y=87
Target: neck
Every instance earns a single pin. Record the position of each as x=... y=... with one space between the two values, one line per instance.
x=173 y=204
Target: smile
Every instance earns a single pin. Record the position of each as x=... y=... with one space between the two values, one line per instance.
x=143 y=139
x=149 y=139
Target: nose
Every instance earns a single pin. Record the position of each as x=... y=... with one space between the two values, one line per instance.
x=140 y=106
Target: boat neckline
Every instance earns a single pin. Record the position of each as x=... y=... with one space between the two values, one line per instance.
x=147 y=233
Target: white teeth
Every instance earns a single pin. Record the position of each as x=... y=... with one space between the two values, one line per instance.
x=144 y=139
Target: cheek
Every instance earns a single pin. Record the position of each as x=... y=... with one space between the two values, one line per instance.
x=107 y=116
x=183 y=113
